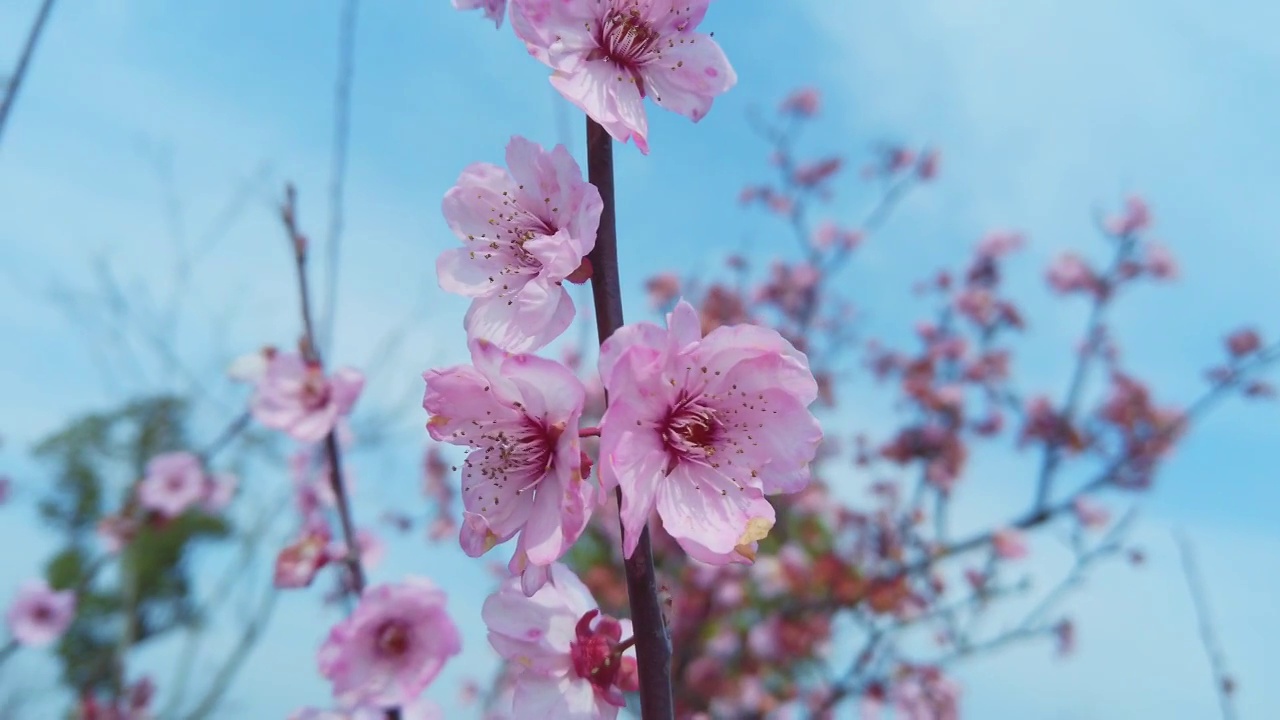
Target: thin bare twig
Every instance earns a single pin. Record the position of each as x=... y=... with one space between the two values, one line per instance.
x=1223 y=684
x=311 y=353
x=24 y=62
x=338 y=160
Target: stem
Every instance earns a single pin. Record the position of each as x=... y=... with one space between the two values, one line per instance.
x=338 y=160
x=1053 y=451
x=24 y=61
x=311 y=353
x=7 y=650
x=653 y=646
x=1208 y=635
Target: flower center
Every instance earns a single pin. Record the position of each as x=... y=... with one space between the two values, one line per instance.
x=525 y=454
x=627 y=40
x=315 y=390
x=393 y=639
x=594 y=651
x=690 y=432
x=42 y=613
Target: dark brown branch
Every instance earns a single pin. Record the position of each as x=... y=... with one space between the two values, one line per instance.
x=1223 y=683
x=653 y=645
x=24 y=62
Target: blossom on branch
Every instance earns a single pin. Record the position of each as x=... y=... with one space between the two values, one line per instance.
x=391 y=647
x=39 y=614
x=519 y=415
x=525 y=230
x=294 y=397
x=493 y=9
x=568 y=658
x=174 y=482
x=608 y=55
x=704 y=428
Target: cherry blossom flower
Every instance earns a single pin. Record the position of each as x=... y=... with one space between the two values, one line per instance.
x=1069 y=273
x=1160 y=262
x=251 y=367
x=519 y=415
x=391 y=646
x=6 y=488
x=703 y=428
x=568 y=659
x=493 y=9
x=296 y=565
x=296 y=398
x=804 y=103
x=174 y=482
x=1135 y=218
x=1243 y=343
x=524 y=230
x=608 y=55
x=1009 y=544
x=39 y=614
x=1090 y=513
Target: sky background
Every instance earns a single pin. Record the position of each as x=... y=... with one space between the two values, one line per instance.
x=150 y=131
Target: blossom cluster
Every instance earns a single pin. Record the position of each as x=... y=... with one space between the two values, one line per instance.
x=699 y=428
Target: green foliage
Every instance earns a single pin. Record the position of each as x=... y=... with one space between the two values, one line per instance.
x=145 y=593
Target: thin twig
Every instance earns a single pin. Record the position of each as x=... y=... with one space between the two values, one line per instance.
x=24 y=62
x=338 y=160
x=1223 y=683
x=311 y=353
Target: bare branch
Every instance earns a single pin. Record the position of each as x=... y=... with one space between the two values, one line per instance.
x=1224 y=684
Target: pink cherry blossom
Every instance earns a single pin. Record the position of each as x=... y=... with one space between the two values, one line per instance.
x=297 y=564
x=564 y=653
x=296 y=398
x=1069 y=273
x=1243 y=343
x=1009 y=544
x=1160 y=262
x=703 y=428
x=40 y=615
x=803 y=102
x=174 y=482
x=250 y=368
x=493 y=9
x=1090 y=513
x=519 y=415
x=608 y=55
x=524 y=230
x=1135 y=218
x=391 y=646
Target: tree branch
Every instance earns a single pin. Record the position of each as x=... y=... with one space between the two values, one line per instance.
x=653 y=644
x=1224 y=684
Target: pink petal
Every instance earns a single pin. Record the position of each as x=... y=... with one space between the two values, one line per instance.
x=689 y=76
x=701 y=504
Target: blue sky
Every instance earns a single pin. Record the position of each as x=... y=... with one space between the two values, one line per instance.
x=1045 y=111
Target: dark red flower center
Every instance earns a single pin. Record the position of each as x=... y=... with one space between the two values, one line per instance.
x=597 y=653
x=393 y=639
